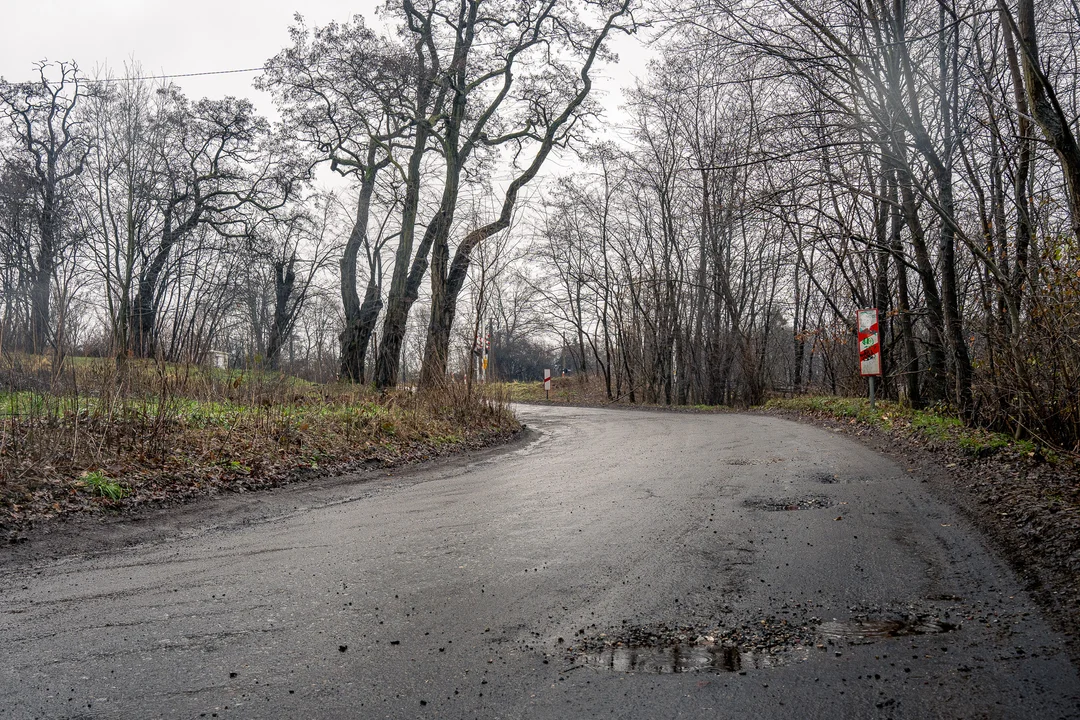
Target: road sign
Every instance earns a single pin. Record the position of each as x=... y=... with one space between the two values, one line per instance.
x=869 y=343
x=547 y=379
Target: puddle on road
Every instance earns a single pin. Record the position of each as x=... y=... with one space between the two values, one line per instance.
x=753 y=461
x=809 y=502
x=826 y=477
x=879 y=629
x=664 y=660
x=780 y=644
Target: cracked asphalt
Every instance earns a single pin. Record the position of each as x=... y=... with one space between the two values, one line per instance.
x=468 y=588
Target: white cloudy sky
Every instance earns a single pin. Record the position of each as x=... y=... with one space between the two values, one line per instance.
x=184 y=36
x=191 y=36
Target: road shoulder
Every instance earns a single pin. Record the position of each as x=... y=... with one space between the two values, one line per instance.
x=88 y=534
x=1024 y=507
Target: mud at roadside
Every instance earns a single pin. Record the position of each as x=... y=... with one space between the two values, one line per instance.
x=1028 y=509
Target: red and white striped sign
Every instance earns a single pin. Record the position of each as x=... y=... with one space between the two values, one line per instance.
x=547 y=379
x=869 y=343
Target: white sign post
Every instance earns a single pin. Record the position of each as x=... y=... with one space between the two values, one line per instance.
x=869 y=348
x=547 y=384
x=484 y=364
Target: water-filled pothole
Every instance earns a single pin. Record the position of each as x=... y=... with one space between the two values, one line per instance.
x=753 y=461
x=865 y=629
x=808 y=502
x=662 y=648
x=663 y=660
x=768 y=643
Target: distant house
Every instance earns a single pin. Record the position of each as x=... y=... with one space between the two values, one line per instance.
x=218 y=359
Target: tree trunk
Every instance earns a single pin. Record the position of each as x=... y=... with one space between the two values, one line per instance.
x=881 y=285
x=41 y=279
x=936 y=371
x=402 y=288
x=947 y=236
x=1046 y=109
x=1023 y=162
x=910 y=367
x=356 y=337
x=284 y=284
x=447 y=282
x=144 y=314
x=360 y=318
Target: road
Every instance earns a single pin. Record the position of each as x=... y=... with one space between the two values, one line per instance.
x=818 y=578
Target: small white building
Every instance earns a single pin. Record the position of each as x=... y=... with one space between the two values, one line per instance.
x=218 y=359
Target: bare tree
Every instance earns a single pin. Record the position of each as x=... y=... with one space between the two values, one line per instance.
x=490 y=106
x=219 y=159
x=50 y=146
x=345 y=91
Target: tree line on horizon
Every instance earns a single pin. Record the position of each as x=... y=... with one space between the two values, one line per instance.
x=782 y=164
x=787 y=162
x=174 y=224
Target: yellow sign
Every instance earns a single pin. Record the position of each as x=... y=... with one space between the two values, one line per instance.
x=485 y=363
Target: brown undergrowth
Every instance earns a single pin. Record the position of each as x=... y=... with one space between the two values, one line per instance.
x=90 y=436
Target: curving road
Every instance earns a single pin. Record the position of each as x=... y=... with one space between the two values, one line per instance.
x=816 y=578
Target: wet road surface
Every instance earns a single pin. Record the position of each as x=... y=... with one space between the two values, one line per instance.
x=782 y=570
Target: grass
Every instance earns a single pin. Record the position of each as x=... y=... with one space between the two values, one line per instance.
x=98 y=484
x=92 y=432
x=563 y=390
x=931 y=425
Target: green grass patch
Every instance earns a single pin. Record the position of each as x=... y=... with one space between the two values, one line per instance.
x=97 y=483
x=933 y=425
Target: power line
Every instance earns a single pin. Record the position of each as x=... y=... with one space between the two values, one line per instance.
x=8 y=83
x=182 y=75
x=151 y=77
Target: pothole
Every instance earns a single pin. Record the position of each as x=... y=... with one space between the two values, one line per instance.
x=753 y=461
x=771 y=642
x=662 y=649
x=825 y=477
x=867 y=629
x=664 y=660
x=807 y=502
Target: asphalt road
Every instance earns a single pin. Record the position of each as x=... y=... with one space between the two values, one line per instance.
x=456 y=591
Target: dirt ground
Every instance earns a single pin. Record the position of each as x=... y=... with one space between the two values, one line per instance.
x=54 y=515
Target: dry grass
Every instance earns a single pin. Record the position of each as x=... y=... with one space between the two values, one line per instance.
x=158 y=432
x=575 y=390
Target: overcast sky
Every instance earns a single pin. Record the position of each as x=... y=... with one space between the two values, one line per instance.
x=193 y=36
x=185 y=36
